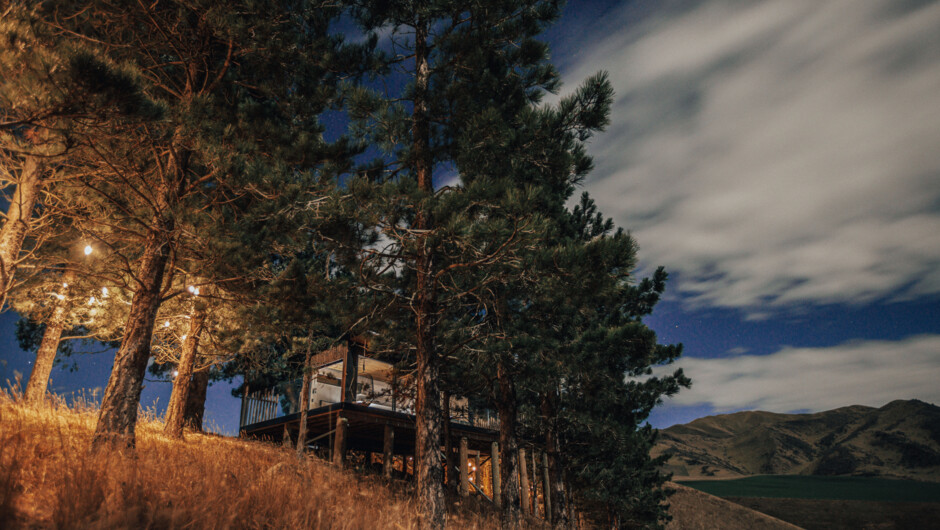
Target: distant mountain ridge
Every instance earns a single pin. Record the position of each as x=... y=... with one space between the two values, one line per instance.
x=900 y=439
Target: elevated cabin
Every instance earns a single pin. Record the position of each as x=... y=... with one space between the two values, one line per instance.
x=357 y=404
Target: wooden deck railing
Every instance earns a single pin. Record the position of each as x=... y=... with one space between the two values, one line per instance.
x=267 y=404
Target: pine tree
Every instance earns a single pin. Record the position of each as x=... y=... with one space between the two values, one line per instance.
x=463 y=68
x=242 y=85
x=54 y=97
x=69 y=296
x=594 y=391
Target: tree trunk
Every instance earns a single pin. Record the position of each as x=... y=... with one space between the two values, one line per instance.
x=19 y=214
x=427 y=396
x=556 y=492
x=506 y=406
x=449 y=472
x=176 y=410
x=45 y=356
x=304 y=404
x=118 y=417
x=196 y=404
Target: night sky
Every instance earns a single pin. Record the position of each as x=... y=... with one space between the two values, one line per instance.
x=781 y=158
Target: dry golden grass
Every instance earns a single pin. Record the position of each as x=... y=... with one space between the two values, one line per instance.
x=49 y=479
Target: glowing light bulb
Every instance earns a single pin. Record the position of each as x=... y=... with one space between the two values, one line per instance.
x=196 y=291
x=92 y=300
x=166 y=324
x=176 y=373
x=88 y=249
x=191 y=288
x=60 y=296
x=104 y=291
x=65 y=286
x=183 y=337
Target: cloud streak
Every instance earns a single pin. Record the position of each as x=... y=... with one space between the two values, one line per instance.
x=776 y=152
x=793 y=379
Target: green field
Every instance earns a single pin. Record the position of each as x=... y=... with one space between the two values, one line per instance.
x=812 y=487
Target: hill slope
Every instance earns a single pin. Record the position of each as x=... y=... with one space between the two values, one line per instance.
x=900 y=439
x=694 y=510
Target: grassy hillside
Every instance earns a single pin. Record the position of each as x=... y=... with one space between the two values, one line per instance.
x=900 y=440
x=49 y=479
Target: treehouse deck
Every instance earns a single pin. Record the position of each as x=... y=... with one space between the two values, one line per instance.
x=355 y=402
x=365 y=428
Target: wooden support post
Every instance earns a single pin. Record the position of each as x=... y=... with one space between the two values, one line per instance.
x=244 y=412
x=546 y=488
x=535 y=486
x=339 y=445
x=464 y=468
x=285 y=438
x=494 y=461
x=477 y=471
x=388 y=446
x=523 y=482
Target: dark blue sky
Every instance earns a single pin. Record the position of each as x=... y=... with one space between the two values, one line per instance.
x=779 y=158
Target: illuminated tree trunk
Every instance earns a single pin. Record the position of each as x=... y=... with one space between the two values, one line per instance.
x=506 y=406
x=428 y=469
x=196 y=403
x=45 y=356
x=16 y=226
x=304 y=404
x=118 y=417
x=182 y=385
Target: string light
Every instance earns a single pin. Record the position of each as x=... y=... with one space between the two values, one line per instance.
x=92 y=300
x=65 y=286
x=190 y=288
x=104 y=291
x=166 y=324
x=88 y=249
x=183 y=337
x=60 y=296
x=176 y=373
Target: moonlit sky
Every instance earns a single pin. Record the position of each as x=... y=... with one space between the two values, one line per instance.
x=781 y=158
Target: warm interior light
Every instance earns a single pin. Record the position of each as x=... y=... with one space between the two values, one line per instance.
x=88 y=249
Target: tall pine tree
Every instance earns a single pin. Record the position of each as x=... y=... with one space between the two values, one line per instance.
x=242 y=85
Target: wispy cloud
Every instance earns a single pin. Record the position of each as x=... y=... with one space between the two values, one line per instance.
x=775 y=152
x=856 y=373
